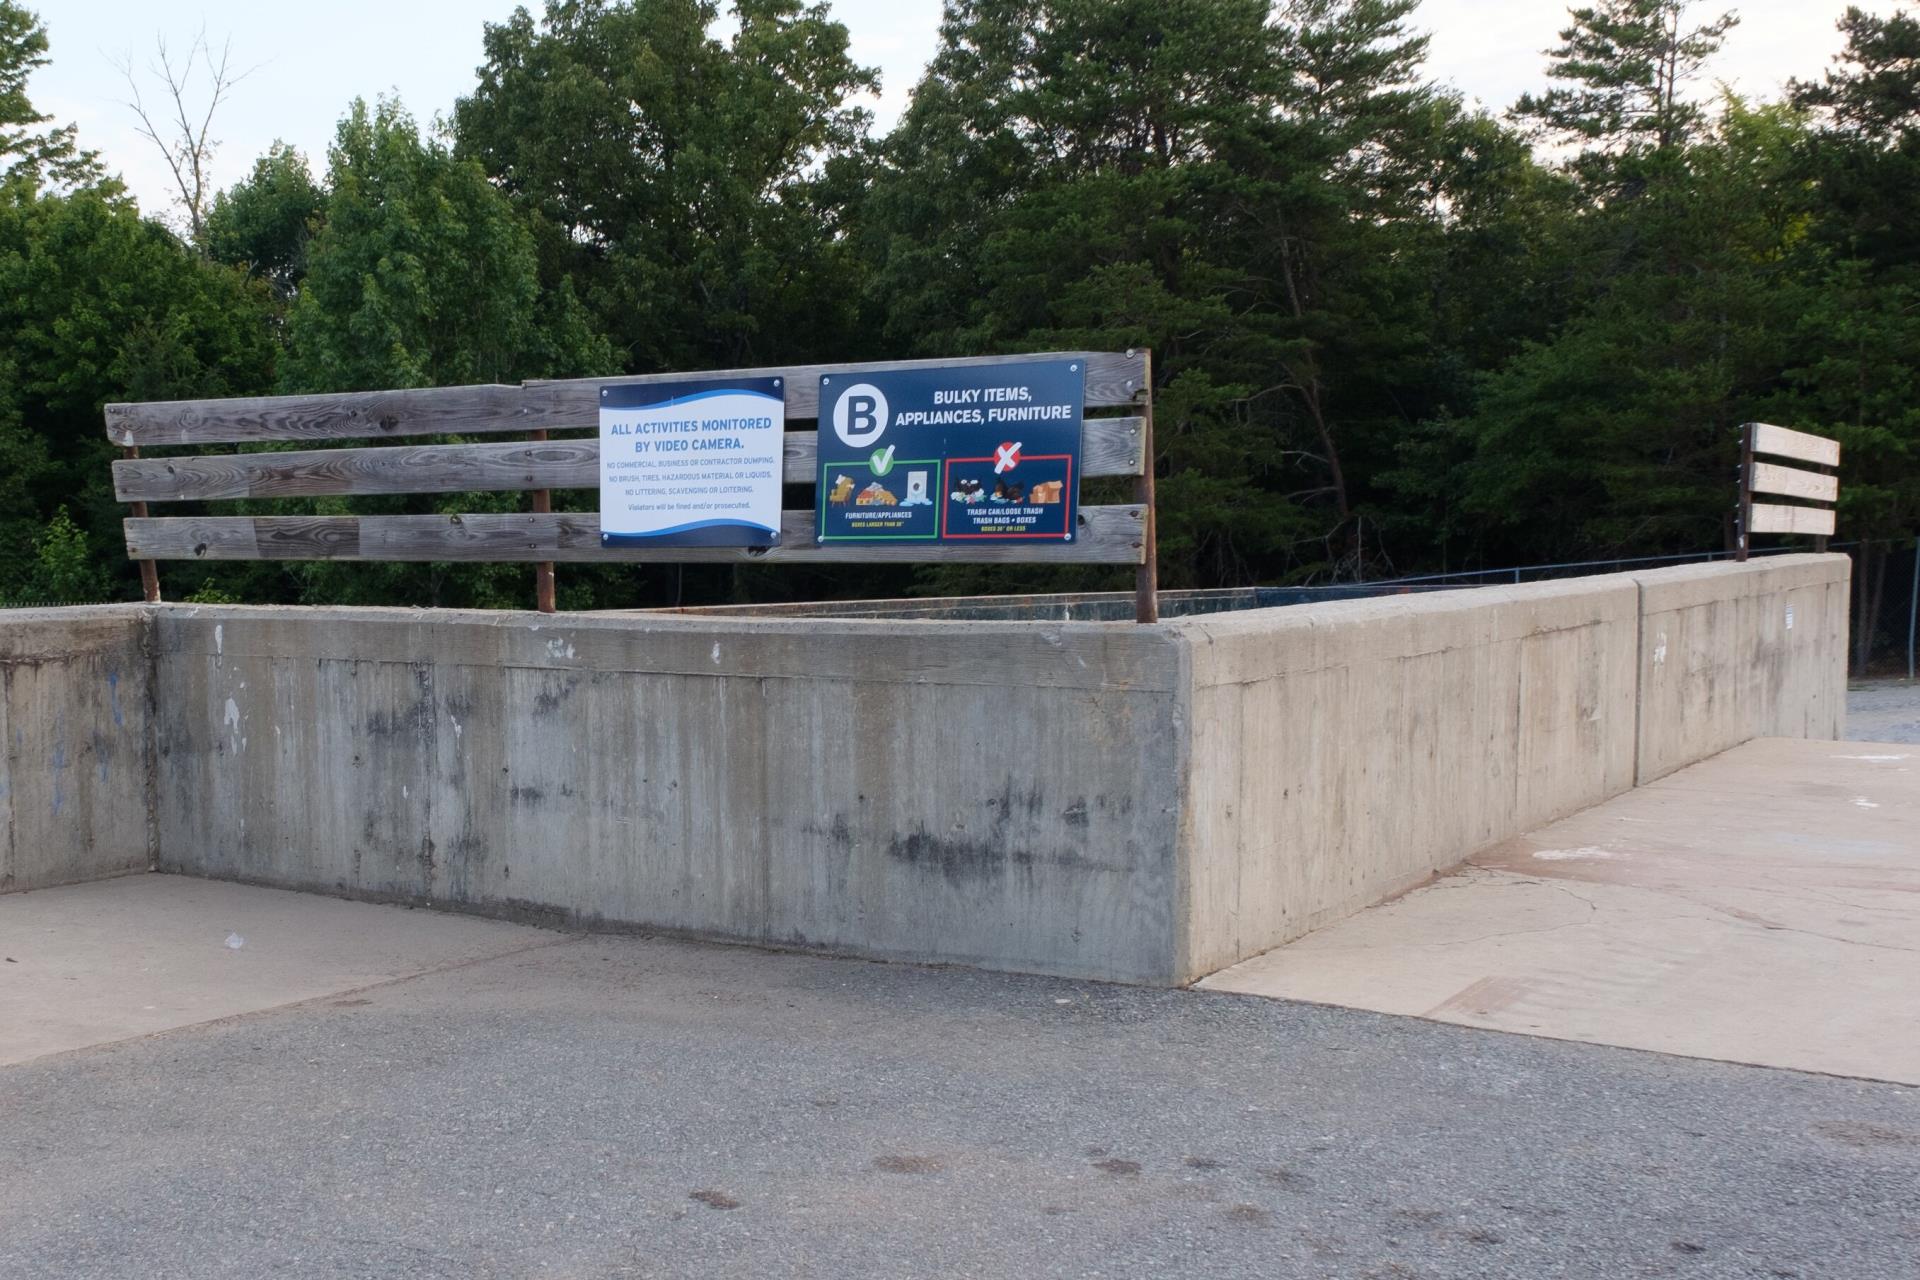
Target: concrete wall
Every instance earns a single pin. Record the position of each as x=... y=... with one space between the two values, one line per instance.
x=74 y=721
x=994 y=794
x=1730 y=652
x=1144 y=804
x=1346 y=752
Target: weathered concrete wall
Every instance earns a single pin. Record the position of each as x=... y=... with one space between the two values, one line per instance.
x=996 y=794
x=1102 y=800
x=1730 y=652
x=74 y=721
x=1346 y=752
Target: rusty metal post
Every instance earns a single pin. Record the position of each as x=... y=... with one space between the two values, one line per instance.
x=543 y=571
x=1146 y=593
x=149 y=571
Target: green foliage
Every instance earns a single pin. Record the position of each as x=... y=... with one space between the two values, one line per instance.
x=691 y=187
x=1627 y=64
x=264 y=222
x=1388 y=333
x=29 y=153
x=64 y=569
x=420 y=275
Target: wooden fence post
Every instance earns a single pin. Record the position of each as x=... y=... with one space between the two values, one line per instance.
x=149 y=570
x=543 y=571
x=1146 y=599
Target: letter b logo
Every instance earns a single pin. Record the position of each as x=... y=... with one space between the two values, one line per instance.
x=860 y=415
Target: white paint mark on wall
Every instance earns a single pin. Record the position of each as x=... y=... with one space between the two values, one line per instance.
x=716 y=653
x=559 y=647
x=1660 y=649
x=232 y=716
x=1585 y=852
x=219 y=639
x=1861 y=802
x=1789 y=617
x=1876 y=759
x=456 y=727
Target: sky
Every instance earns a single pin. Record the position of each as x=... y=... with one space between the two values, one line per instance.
x=309 y=61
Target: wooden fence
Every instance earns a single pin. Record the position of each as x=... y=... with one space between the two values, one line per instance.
x=1116 y=442
x=1814 y=492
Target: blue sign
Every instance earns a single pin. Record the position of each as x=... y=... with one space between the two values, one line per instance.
x=695 y=462
x=958 y=455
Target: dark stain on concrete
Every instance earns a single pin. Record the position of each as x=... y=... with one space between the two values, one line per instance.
x=714 y=1199
x=908 y=1164
x=1118 y=1168
x=961 y=859
x=553 y=695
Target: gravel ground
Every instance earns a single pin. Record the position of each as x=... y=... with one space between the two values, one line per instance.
x=1884 y=711
x=627 y=1107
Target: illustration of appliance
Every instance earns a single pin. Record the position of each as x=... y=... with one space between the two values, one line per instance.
x=916 y=490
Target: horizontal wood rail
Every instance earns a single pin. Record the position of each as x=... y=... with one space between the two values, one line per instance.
x=1113 y=380
x=1109 y=447
x=1107 y=535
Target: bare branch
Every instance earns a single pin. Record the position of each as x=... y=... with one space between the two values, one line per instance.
x=187 y=144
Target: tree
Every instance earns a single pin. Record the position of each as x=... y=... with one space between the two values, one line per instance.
x=98 y=304
x=29 y=153
x=1617 y=435
x=183 y=133
x=421 y=276
x=264 y=222
x=1860 y=328
x=1247 y=190
x=694 y=189
x=1630 y=63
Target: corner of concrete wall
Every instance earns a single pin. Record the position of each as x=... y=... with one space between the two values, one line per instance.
x=76 y=725
x=1731 y=652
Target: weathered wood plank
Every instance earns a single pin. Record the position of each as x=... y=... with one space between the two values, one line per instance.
x=1109 y=447
x=432 y=468
x=1768 y=517
x=420 y=411
x=1107 y=535
x=1795 y=483
x=1780 y=442
x=1113 y=378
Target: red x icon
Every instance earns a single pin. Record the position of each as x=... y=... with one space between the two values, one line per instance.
x=1006 y=458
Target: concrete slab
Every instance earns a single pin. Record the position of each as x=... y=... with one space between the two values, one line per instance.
x=1760 y=907
x=90 y=964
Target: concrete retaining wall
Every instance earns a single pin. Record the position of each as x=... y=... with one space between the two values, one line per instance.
x=994 y=794
x=74 y=707
x=1144 y=804
x=1738 y=651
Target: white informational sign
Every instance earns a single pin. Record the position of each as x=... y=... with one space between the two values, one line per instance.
x=692 y=463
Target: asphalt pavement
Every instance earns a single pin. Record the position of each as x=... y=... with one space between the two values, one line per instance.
x=632 y=1107
x=1883 y=711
